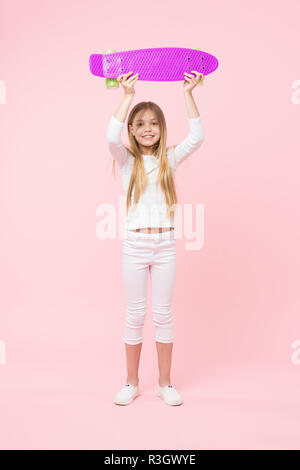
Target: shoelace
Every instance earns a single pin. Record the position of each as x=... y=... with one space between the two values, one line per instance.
x=172 y=389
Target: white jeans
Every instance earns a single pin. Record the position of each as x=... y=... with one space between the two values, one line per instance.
x=156 y=253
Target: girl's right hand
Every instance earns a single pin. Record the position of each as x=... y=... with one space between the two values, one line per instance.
x=128 y=83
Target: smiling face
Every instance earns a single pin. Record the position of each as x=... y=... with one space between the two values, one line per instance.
x=145 y=128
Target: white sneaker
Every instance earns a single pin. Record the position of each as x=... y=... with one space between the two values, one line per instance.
x=169 y=395
x=126 y=394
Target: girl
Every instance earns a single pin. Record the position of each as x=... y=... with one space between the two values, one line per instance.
x=147 y=169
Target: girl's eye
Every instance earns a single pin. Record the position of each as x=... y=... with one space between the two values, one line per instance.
x=140 y=124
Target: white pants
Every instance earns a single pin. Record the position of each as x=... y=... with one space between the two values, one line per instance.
x=156 y=253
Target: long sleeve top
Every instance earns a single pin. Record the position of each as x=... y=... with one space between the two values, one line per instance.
x=151 y=208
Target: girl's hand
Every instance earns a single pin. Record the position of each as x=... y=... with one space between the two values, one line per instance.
x=190 y=81
x=128 y=83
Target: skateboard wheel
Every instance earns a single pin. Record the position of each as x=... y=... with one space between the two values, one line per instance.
x=111 y=82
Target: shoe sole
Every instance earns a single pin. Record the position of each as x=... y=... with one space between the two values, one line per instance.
x=128 y=402
x=171 y=404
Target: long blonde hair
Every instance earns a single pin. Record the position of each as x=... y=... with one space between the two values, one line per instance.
x=138 y=178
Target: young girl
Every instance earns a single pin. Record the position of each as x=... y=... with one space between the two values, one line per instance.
x=149 y=244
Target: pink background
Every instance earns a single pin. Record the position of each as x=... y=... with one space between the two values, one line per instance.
x=236 y=304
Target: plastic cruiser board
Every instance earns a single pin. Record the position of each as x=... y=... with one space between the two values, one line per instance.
x=156 y=64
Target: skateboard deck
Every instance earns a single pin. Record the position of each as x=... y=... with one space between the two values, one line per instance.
x=156 y=64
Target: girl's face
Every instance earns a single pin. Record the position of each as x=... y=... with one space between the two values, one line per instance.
x=145 y=124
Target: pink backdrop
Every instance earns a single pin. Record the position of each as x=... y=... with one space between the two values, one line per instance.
x=236 y=358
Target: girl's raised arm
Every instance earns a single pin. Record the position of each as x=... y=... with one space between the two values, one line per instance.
x=191 y=143
x=116 y=123
x=196 y=135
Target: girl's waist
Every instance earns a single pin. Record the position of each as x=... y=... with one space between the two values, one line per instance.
x=152 y=229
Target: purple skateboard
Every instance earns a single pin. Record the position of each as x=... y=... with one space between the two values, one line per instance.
x=156 y=64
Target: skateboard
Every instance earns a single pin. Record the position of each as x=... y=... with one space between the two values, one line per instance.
x=156 y=64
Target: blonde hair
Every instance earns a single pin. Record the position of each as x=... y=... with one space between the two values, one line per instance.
x=138 y=178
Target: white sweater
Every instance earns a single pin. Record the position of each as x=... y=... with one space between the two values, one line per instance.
x=151 y=208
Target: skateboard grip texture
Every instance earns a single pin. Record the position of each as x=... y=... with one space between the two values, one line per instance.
x=155 y=64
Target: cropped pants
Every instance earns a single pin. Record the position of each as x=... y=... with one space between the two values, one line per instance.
x=154 y=253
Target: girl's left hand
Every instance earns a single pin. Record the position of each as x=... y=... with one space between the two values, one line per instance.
x=190 y=81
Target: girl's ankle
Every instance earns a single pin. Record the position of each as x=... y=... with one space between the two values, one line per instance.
x=133 y=382
x=163 y=384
